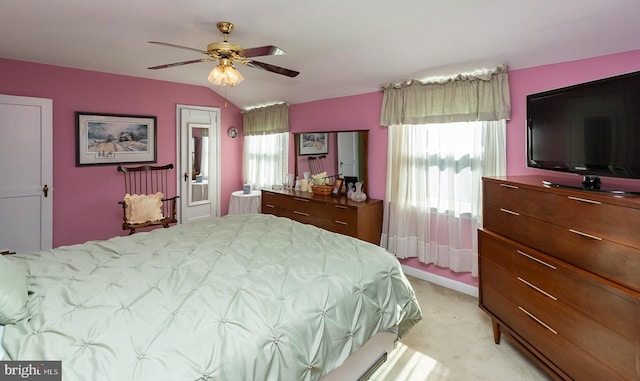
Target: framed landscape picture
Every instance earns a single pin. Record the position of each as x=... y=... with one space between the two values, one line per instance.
x=109 y=139
x=313 y=143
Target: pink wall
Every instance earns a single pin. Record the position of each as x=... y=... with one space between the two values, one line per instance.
x=85 y=203
x=542 y=78
x=85 y=198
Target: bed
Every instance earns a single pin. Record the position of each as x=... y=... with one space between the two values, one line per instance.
x=242 y=297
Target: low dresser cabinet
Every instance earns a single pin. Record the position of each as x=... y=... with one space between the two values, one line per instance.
x=362 y=220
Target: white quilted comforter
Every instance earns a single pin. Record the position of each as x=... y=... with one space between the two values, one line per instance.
x=243 y=297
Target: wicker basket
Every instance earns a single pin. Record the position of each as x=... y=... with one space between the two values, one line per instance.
x=321 y=189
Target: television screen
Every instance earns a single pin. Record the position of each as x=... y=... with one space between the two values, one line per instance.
x=592 y=129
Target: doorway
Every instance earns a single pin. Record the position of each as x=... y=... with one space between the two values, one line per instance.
x=198 y=148
x=26 y=174
x=348 y=153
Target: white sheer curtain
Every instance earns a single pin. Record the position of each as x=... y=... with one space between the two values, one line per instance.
x=433 y=196
x=266 y=160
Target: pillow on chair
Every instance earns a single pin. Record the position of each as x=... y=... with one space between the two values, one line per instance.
x=142 y=208
x=13 y=292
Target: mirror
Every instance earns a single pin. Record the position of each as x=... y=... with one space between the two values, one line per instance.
x=345 y=154
x=199 y=163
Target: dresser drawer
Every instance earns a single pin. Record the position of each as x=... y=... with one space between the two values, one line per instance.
x=330 y=211
x=578 y=289
x=615 y=350
x=335 y=226
x=282 y=201
x=611 y=260
x=338 y=213
x=554 y=348
x=578 y=212
x=341 y=214
x=273 y=209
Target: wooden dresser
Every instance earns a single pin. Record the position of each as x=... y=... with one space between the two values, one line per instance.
x=362 y=220
x=560 y=275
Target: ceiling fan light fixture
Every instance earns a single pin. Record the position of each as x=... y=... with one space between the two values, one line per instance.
x=225 y=74
x=227 y=53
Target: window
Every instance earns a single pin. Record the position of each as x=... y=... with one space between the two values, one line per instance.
x=433 y=197
x=266 y=159
x=440 y=159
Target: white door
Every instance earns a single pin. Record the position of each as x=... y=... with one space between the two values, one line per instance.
x=347 y=153
x=26 y=173
x=199 y=162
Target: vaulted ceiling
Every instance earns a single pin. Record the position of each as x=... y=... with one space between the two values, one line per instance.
x=339 y=47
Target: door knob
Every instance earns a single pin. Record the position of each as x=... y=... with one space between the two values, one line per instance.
x=45 y=189
x=186 y=177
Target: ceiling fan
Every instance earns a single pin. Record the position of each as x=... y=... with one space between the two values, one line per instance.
x=227 y=53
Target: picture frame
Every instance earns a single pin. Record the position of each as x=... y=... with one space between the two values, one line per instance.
x=313 y=143
x=337 y=187
x=113 y=139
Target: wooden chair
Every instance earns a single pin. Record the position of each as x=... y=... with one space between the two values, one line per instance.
x=148 y=180
x=315 y=164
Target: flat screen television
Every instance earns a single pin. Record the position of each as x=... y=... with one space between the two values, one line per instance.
x=591 y=129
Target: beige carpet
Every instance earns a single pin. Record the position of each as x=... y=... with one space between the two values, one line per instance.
x=454 y=341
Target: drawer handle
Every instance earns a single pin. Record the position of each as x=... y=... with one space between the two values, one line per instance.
x=270 y=206
x=341 y=222
x=584 y=200
x=538 y=320
x=341 y=207
x=536 y=259
x=585 y=234
x=301 y=213
x=301 y=199
x=509 y=212
x=509 y=186
x=537 y=289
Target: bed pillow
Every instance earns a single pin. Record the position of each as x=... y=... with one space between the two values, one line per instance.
x=13 y=292
x=142 y=208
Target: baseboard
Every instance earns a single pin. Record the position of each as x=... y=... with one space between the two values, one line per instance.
x=441 y=281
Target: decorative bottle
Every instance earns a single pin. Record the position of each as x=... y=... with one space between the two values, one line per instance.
x=358 y=195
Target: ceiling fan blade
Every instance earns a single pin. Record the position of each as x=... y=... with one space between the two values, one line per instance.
x=178 y=46
x=268 y=50
x=272 y=68
x=180 y=63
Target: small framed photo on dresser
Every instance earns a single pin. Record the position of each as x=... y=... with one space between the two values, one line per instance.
x=337 y=187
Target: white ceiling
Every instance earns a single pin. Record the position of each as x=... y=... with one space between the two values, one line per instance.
x=341 y=47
